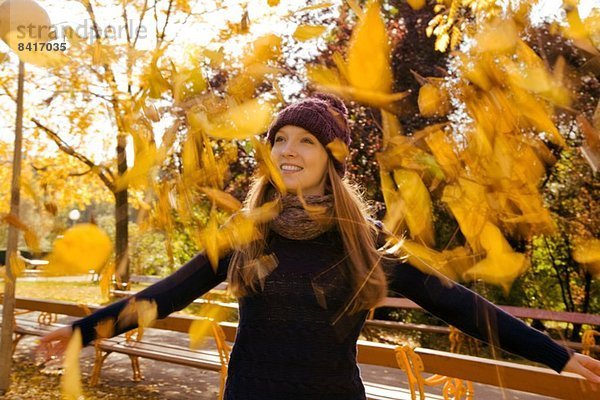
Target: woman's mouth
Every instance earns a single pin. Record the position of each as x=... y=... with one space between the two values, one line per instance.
x=290 y=168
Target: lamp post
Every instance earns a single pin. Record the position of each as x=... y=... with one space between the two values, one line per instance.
x=14 y=14
x=74 y=216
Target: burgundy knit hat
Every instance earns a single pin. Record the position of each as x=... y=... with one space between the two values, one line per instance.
x=323 y=115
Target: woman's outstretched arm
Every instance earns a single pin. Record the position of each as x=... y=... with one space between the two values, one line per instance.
x=476 y=316
x=170 y=294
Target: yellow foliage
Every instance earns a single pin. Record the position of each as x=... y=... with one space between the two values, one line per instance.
x=202 y=327
x=416 y=4
x=266 y=166
x=498 y=36
x=502 y=265
x=369 y=53
x=70 y=381
x=433 y=101
x=222 y=199
x=418 y=210
x=339 y=150
x=239 y=122
x=307 y=32
x=82 y=248
x=587 y=253
x=265 y=48
x=143 y=312
x=17 y=265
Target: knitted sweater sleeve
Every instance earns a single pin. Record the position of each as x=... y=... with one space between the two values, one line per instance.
x=170 y=294
x=466 y=310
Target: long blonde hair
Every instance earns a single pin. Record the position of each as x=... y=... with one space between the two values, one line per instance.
x=358 y=233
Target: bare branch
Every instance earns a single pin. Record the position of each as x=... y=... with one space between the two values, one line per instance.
x=103 y=173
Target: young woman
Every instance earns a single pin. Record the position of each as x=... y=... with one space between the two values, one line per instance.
x=300 y=316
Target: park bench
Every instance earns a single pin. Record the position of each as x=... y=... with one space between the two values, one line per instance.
x=499 y=373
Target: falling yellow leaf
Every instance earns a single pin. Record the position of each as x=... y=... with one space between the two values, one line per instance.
x=426 y=259
x=239 y=122
x=395 y=215
x=263 y=49
x=267 y=167
x=272 y=3
x=432 y=101
x=82 y=248
x=307 y=32
x=369 y=53
x=147 y=312
x=502 y=265
x=17 y=265
x=209 y=239
x=418 y=205
x=223 y=199
x=416 y=4
x=315 y=7
x=339 y=150
x=587 y=253
x=498 y=269
x=106 y=280
x=105 y=328
x=146 y=157
x=70 y=382
x=497 y=36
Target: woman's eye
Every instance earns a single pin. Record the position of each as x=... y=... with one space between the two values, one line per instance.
x=307 y=140
x=278 y=139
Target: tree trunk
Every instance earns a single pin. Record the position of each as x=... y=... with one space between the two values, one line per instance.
x=122 y=219
x=8 y=305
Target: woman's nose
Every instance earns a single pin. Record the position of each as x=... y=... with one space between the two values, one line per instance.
x=289 y=150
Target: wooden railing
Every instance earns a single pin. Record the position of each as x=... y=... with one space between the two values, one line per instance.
x=509 y=375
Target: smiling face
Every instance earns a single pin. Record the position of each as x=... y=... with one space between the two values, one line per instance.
x=302 y=160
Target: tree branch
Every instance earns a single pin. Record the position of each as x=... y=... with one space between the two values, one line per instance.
x=103 y=173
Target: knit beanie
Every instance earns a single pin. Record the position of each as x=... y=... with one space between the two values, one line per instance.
x=323 y=115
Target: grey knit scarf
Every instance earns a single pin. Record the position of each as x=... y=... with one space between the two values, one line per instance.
x=297 y=222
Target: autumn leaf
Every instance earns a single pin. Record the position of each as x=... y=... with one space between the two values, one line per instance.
x=70 y=382
x=204 y=326
x=223 y=199
x=587 y=253
x=418 y=205
x=147 y=312
x=82 y=248
x=433 y=101
x=17 y=265
x=500 y=35
x=307 y=32
x=339 y=150
x=106 y=279
x=369 y=53
x=416 y=4
x=239 y=122
x=105 y=328
x=267 y=167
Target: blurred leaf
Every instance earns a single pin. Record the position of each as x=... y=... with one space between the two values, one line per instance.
x=369 y=53
x=70 y=382
x=415 y=195
x=223 y=199
x=339 y=150
x=17 y=265
x=239 y=122
x=500 y=35
x=82 y=248
x=307 y=32
x=267 y=167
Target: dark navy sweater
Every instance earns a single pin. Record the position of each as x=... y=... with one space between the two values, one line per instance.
x=293 y=341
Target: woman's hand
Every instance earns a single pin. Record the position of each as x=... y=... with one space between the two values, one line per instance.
x=585 y=366
x=53 y=344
